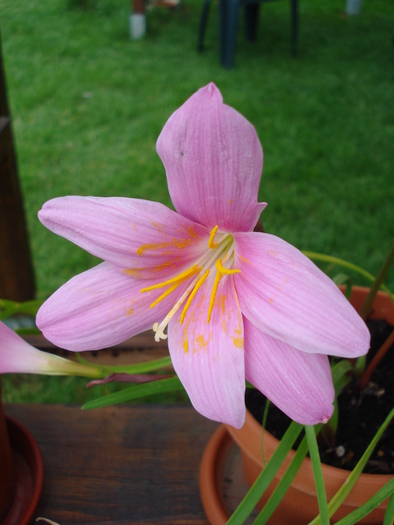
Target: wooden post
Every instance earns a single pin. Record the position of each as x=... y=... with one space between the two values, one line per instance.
x=16 y=269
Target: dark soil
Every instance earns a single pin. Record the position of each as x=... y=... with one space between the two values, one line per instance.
x=360 y=413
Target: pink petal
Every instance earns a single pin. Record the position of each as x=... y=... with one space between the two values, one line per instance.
x=300 y=384
x=286 y=296
x=17 y=356
x=209 y=358
x=101 y=308
x=213 y=160
x=145 y=238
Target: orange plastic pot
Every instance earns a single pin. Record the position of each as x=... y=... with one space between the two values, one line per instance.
x=299 y=505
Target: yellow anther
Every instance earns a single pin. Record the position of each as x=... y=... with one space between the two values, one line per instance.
x=164 y=295
x=197 y=286
x=219 y=274
x=213 y=294
x=225 y=271
x=177 y=279
x=211 y=242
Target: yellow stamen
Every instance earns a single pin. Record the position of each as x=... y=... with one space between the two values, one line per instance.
x=197 y=286
x=223 y=270
x=177 y=279
x=211 y=242
x=219 y=274
x=163 y=295
x=213 y=294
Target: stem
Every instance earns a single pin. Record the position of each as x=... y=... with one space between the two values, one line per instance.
x=376 y=285
x=376 y=360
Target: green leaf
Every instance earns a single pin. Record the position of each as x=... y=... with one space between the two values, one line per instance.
x=342 y=278
x=9 y=308
x=340 y=262
x=349 y=483
x=135 y=392
x=265 y=416
x=329 y=430
x=267 y=475
x=284 y=483
x=389 y=514
x=340 y=375
x=139 y=368
x=318 y=474
x=370 y=505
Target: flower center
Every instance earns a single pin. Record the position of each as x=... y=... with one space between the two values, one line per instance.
x=219 y=258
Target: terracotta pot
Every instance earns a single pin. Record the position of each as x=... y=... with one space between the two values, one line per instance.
x=299 y=505
x=7 y=478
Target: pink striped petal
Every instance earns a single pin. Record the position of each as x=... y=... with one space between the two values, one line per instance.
x=298 y=383
x=286 y=296
x=146 y=238
x=209 y=357
x=213 y=160
x=101 y=308
x=17 y=356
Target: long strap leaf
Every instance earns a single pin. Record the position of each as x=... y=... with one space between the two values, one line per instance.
x=340 y=262
x=389 y=515
x=285 y=482
x=135 y=392
x=364 y=510
x=318 y=474
x=349 y=483
x=267 y=475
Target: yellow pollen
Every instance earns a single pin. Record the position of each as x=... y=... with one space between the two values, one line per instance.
x=223 y=270
x=177 y=279
x=213 y=294
x=164 y=295
x=197 y=286
x=219 y=274
x=211 y=242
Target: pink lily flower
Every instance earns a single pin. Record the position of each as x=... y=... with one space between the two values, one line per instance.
x=17 y=356
x=236 y=304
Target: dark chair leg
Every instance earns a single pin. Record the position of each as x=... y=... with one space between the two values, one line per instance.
x=229 y=10
x=294 y=26
x=203 y=25
x=251 y=18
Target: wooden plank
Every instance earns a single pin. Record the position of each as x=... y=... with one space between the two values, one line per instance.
x=16 y=270
x=119 y=465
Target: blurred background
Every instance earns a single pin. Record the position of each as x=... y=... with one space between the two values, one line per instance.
x=88 y=103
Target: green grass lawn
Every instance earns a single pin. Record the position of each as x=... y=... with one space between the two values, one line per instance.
x=88 y=105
